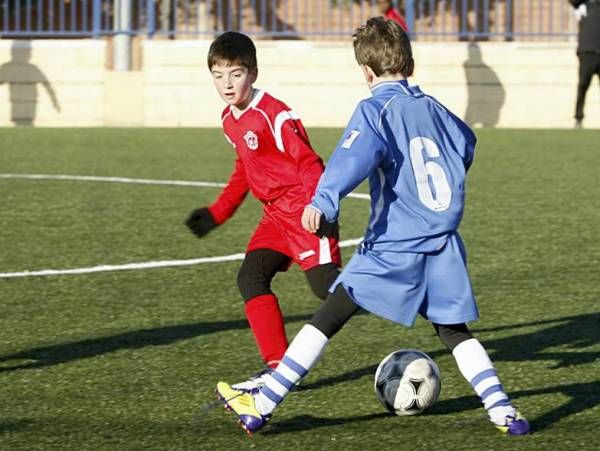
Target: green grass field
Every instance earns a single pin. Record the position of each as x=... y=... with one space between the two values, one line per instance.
x=127 y=359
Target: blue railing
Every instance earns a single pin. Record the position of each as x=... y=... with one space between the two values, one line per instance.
x=293 y=19
x=67 y=18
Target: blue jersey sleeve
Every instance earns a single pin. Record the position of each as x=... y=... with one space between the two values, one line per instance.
x=470 y=140
x=358 y=153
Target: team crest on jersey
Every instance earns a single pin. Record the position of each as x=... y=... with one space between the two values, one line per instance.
x=251 y=140
x=350 y=139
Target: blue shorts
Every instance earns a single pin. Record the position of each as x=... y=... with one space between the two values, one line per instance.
x=399 y=285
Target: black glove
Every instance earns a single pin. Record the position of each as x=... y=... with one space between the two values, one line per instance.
x=328 y=229
x=200 y=222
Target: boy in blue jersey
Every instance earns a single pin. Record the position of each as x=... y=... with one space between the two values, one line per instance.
x=412 y=261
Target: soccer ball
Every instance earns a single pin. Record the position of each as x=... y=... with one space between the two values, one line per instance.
x=407 y=382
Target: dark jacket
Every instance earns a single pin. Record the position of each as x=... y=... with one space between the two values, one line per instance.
x=589 y=26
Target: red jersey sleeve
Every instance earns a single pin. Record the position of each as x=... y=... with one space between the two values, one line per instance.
x=294 y=140
x=232 y=195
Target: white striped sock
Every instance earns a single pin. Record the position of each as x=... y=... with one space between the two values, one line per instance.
x=300 y=357
x=476 y=367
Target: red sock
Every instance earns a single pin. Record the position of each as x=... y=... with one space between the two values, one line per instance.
x=266 y=322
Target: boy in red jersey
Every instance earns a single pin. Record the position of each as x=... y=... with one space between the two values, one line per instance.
x=389 y=12
x=277 y=164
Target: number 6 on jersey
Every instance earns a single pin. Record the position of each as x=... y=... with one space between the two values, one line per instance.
x=439 y=201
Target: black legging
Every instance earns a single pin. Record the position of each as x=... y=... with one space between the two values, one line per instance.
x=338 y=308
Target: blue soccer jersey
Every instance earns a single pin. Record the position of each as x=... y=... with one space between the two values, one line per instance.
x=416 y=154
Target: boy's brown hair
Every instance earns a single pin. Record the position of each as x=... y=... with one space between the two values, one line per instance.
x=383 y=46
x=233 y=48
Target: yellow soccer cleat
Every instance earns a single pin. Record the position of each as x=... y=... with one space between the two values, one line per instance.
x=243 y=405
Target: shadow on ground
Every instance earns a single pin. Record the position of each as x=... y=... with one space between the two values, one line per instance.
x=67 y=352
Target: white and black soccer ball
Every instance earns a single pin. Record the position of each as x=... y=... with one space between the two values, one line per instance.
x=407 y=382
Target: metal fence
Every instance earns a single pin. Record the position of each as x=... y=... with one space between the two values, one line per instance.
x=285 y=19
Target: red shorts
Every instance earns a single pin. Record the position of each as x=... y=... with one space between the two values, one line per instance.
x=283 y=232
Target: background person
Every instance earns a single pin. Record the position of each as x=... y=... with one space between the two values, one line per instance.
x=386 y=7
x=588 y=50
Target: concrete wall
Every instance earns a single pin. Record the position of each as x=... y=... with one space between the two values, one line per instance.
x=52 y=83
x=66 y=83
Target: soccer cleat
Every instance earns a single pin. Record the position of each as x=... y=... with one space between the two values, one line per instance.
x=242 y=404
x=514 y=425
x=254 y=382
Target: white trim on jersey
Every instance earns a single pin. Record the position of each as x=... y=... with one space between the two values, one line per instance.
x=383 y=109
x=304 y=255
x=324 y=251
x=275 y=128
x=236 y=113
x=382 y=84
x=406 y=91
x=229 y=140
x=279 y=120
x=386 y=83
x=266 y=119
x=257 y=98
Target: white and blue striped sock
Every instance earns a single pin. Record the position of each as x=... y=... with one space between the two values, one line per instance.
x=476 y=367
x=300 y=357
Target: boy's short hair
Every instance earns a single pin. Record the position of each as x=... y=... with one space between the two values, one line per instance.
x=234 y=48
x=383 y=46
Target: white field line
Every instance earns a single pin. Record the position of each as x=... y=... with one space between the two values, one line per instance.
x=143 y=265
x=92 y=178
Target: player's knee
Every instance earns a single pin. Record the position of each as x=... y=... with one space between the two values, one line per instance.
x=320 y=279
x=257 y=270
x=252 y=282
x=337 y=309
x=452 y=334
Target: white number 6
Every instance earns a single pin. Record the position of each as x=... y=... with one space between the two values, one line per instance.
x=423 y=171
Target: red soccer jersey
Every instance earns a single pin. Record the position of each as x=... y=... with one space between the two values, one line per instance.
x=275 y=160
x=392 y=14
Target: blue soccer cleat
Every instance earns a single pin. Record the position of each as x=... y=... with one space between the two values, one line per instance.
x=514 y=425
x=243 y=405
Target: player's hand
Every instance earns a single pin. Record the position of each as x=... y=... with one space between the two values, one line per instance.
x=311 y=219
x=200 y=222
x=328 y=229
